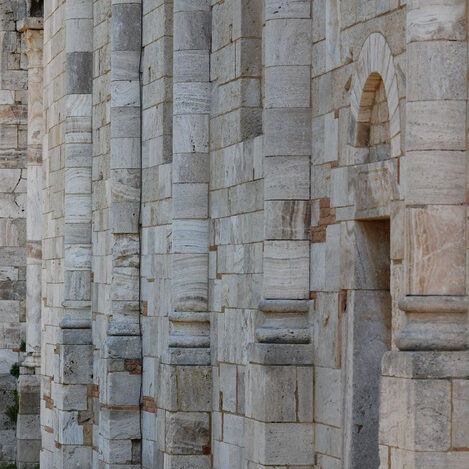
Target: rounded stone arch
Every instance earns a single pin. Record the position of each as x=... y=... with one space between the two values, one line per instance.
x=375 y=65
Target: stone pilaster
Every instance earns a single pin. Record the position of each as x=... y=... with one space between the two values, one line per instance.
x=424 y=385
x=435 y=305
x=71 y=386
x=280 y=375
x=120 y=367
x=185 y=368
x=29 y=386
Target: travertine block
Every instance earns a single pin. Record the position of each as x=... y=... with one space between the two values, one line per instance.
x=435 y=242
x=286 y=178
x=279 y=443
x=436 y=20
x=460 y=415
x=435 y=177
x=435 y=125
x=286 y=266
x=288 y=42
x=287 y=132
x=287 y=87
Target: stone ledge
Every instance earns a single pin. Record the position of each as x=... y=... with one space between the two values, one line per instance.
x=30 y=22
x=280 y=354
x=426 y=365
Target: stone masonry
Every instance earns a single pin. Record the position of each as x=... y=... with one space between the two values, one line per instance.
x=233 y=234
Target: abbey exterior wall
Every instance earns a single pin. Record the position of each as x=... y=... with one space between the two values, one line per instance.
x=253 y=235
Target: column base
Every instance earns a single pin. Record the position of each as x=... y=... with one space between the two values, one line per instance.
x=279 y=405
x=28 y=432
x=424 y=417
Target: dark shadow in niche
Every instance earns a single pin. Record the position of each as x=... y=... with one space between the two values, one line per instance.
x=369 y=337
x=36 y=8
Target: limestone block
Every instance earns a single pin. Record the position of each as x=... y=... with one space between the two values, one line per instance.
x=326 y=321
x=435 y=125
x=76 y=363
x=286 y=178
x=125 y=122
x=190 y=236
x=28 y=427
x=436 y=20
x=397 y=230
x=288 y=42
x=435 y=241
x=233 y=429
x=191 y=65
x=247 y=19
x=328 y=440
x=327 y=400
x=79 y=72
x=70 y=397
x=287 y=219
x=116 y=451
x=286 y=265
x=192 y=133
x=192 y=30
x=227 y=379
x=77 y=285
x=123 y=389
x=125 y=30
x=191 y=98
x=119 y=424
x=194 y=388
x=272 y=393
x=326 y=462
x=435 y=177
x=340 y=193
x=430 y=460
x=172 y=461
x=187 y=433
x=333 y=268
x=305 y=395
x=460 y=416
x=279 y=443
x=125 y=93
x=190 y=274
x=434 y=71
x=286 y=9
x=318 y=267
x=287 y=87
x=287 y=132
x=68 y=429
x=124 y=65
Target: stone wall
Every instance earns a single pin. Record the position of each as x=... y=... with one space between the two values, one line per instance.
x=246 y=205
x=13 y=175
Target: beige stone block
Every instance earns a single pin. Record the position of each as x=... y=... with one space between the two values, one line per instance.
x=328 y=396
x=436 y=125
x=436 y=19
x=287 y=131
x=279 y=444
x=272 y=393
x=288 y=42
x=435 y=177
x=434 y=71
x=435 y=249
x=286 y=178
x=328 y=440
x=287 y=220
x=286 y=269
x=287 y=87
x=460 y=416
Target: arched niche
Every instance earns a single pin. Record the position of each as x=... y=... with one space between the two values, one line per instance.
x=374 y=138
